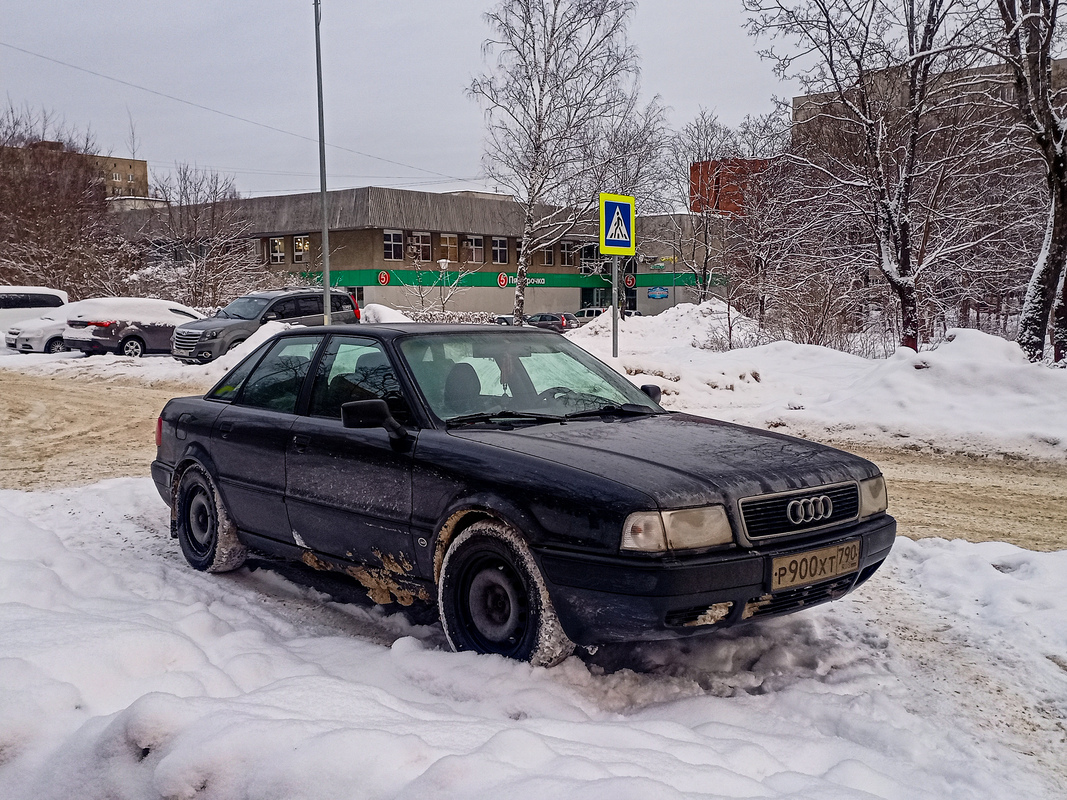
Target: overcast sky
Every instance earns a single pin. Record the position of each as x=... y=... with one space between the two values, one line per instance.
x=394 y=74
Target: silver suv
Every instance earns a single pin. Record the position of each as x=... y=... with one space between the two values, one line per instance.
x=209 y=338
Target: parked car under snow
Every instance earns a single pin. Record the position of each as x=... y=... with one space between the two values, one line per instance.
x=128 y=326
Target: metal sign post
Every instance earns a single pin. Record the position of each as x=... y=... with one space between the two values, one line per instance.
x=617 y=217
x=322 y=177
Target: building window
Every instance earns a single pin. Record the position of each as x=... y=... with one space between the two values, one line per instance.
x=115 y=177
x=394 y=245
x=301 y=249
x=449 y=247
x=568 y=254
x=276 y=248
x=548 y=256
x=419 y=247
x=129 y=178
x=474 y=250
x=500 y=250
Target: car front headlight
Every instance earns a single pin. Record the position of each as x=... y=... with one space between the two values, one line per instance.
x=684 y=529
x=210 y=335
x=873 y=497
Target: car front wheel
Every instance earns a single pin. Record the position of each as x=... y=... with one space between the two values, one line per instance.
x=492 y=599
x=55 y=345
x=206 y=533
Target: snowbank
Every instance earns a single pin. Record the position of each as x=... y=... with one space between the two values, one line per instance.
x=975 y=393
x=126 y=674
x=375 y=312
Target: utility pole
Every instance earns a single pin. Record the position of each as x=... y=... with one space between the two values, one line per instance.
x=322 y=176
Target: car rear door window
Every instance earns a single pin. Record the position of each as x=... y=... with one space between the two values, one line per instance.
x=355 y=368
x=275 y=383
x=309 y=305
x=286 y=309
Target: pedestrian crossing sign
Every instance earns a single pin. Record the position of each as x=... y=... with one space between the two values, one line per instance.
x=617 y=225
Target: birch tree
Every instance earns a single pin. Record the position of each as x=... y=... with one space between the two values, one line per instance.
x=563 y=83
x=1028 y=33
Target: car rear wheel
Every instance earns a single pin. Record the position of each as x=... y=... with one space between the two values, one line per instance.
x=55 y=345
x=492 y=599
x=132 y=347
x=206 y=533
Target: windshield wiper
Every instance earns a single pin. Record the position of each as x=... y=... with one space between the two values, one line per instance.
x=629 y=409
x=493 y=416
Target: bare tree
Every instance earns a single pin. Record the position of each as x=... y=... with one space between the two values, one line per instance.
x=876 y=125
x=196 y=247
x=1026 y=35
x=433 y=285
x=561 y=91
x=54 y=225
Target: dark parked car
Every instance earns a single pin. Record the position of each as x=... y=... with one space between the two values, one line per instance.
x=553 y=321
x=209 y=338
x=536 y=495
x=128 y=326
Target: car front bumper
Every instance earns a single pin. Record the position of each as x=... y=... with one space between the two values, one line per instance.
x=603 y=599
x=203 y=351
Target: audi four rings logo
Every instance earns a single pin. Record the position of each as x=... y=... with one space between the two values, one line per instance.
x=810 y=509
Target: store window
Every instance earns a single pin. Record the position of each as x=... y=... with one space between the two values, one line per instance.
x=500 y=250
x=448 y=247
x=276 y=248
x=394 y=245
x=301 y=249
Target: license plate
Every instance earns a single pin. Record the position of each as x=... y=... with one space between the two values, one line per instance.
x=815 y=565
x=179 y=351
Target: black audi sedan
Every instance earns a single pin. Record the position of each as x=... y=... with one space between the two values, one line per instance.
x=536 y=495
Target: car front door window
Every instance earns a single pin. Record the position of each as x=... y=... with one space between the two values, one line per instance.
x=351 y=369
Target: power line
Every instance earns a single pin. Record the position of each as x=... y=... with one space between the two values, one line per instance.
x=227 y=114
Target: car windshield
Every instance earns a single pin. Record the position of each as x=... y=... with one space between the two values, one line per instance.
x=473 y=377
x=245 y=308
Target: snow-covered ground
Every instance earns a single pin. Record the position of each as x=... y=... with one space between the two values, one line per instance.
x=126 y=674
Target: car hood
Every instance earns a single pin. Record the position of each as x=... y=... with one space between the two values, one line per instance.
x=40 y=325
x=682 y=460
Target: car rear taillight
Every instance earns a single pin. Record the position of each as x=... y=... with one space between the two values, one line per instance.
x=159 y=431
x=564 y=321
x=355 y=305
x=103 y=324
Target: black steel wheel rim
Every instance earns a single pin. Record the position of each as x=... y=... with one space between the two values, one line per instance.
x=494 y=609
x=200 y=521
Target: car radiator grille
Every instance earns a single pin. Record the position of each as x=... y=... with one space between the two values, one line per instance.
x=767 y=517
x=186 y=340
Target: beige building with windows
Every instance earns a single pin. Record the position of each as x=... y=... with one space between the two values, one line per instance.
x=404 y=249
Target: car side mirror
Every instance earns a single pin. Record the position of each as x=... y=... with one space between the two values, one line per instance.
x=653 y=391
x=270 y=316
x=372 y=414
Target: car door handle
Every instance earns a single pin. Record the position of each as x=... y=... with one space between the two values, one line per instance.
x=225 y=428
x=301 y=442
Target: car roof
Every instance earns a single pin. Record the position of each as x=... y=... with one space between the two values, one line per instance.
x=392 y=330
x=271 y=293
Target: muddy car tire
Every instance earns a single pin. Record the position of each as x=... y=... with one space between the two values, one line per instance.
x=492 y=598
x=206 y=533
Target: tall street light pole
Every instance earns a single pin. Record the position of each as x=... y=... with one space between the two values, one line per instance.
x=322 y=176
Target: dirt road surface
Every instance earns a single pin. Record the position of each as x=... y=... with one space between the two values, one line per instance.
x=63 y=432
